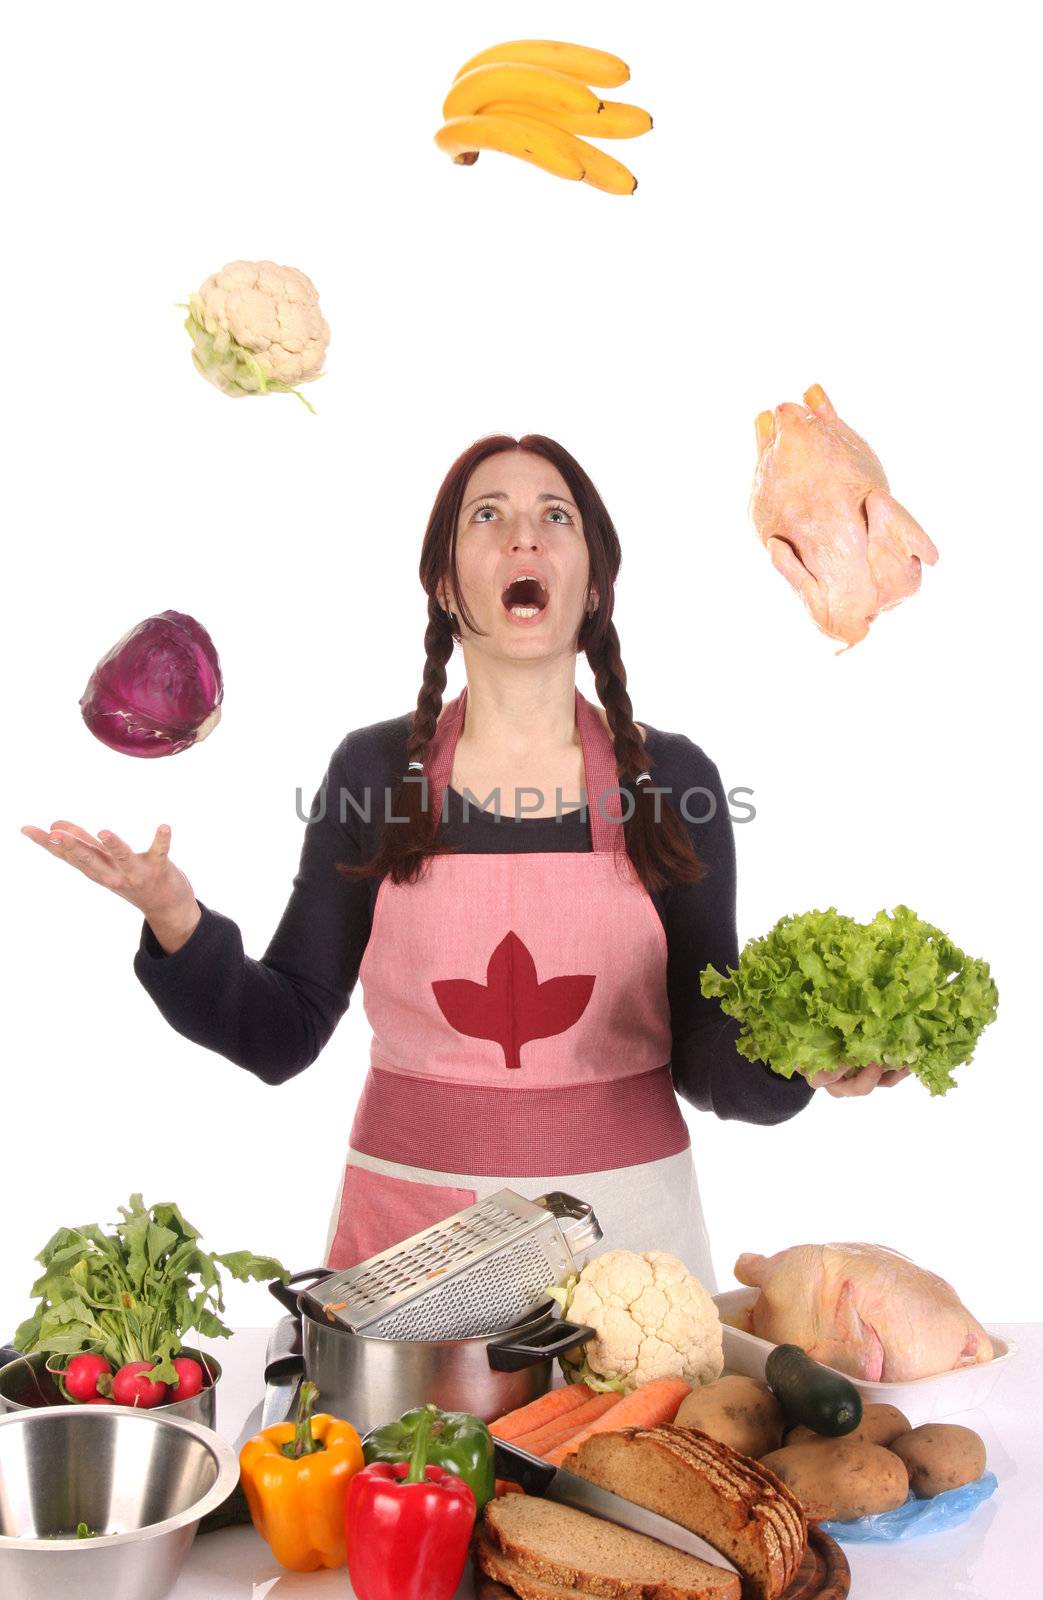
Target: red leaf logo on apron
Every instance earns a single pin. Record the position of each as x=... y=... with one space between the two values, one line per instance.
x=512 y=1006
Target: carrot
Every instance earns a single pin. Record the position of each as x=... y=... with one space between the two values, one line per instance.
x=555 y=1403
x=506 y=1486
x=544 y=1439
x=645 y=1407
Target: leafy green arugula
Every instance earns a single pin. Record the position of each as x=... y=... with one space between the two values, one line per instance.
x=132 y=1295
x=821 y=990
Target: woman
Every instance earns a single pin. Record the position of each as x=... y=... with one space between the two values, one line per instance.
x=529 y=965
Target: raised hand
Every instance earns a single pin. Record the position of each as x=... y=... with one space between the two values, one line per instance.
x=149 y=879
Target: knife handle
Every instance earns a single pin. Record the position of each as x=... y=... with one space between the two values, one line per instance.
x=534 y=1475
x=284 y=1357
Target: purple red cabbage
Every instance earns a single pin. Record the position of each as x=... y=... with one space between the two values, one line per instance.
x=158 y=690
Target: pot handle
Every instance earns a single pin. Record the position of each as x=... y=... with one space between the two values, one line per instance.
x=287 y=1296
x=514 y=1355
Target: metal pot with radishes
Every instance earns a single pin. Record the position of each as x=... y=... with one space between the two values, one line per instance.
x=40 y=1379
x=114 y=1310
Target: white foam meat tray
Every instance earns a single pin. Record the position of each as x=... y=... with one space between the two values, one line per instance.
x=920 y=1399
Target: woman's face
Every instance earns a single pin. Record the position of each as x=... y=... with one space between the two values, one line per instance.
x=521 y=558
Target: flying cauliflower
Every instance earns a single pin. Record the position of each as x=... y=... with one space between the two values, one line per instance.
x=651 y=1317
x=257 y=329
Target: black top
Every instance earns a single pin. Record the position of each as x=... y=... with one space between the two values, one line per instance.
x=274 y=1016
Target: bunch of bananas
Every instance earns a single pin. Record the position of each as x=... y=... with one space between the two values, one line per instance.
x=530 y=98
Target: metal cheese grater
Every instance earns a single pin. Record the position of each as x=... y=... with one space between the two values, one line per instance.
x=477 y=1272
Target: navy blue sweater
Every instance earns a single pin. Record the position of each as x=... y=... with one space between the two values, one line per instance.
x=275 y=1015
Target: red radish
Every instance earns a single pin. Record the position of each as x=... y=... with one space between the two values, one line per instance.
x=132 y=1386
x=98 y=1400
x=189 y=1378
x=82 y=1374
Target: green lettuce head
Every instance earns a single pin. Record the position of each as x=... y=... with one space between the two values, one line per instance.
x=822 y=990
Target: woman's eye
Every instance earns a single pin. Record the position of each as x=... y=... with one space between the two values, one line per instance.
x=480 y=514
x=559 y=513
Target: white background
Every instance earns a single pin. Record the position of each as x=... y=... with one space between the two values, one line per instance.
x=841 y=194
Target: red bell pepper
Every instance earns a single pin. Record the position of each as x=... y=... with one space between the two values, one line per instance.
x=408 y=1527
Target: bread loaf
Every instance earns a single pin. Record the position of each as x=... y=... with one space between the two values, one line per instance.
x=546 y=1551
x=735 y=1503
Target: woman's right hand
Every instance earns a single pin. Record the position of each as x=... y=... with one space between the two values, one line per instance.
x=149 y=881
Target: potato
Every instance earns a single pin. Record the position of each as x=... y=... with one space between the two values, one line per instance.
x=940 y=1456
x=879 y=1425
x=841 y=1479
x=740 y=1412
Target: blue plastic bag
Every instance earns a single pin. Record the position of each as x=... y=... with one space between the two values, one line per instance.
x=916 y=1517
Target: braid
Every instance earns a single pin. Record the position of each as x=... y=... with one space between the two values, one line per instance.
x=438 y=647
x=610 y=681
x=405 y=846
x=660 y=851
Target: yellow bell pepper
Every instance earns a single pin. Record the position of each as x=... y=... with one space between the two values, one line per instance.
x=295 y=1477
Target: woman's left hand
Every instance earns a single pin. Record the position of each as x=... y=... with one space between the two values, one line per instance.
x=864 y=1082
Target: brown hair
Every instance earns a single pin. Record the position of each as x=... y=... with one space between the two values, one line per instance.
x=660 y=851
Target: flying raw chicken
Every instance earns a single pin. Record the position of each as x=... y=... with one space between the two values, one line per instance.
x=822 y=507
x=863 y=1309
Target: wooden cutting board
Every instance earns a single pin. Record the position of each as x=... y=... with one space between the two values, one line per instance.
x=824 y=1574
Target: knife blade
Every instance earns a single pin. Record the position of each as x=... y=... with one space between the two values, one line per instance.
x=555 y=1483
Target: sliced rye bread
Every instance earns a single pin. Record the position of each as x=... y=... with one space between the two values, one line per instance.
x=546 y=1551
x=730 y=1500
x=730 y=1495
x=776 y=1504
x=513 y=1579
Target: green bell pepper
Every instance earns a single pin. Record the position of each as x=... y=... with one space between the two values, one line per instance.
x=459 y=1442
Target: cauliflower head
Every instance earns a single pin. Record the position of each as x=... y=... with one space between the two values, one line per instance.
x=257 y=329
x=652 y=1319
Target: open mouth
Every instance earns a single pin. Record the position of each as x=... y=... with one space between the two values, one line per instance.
x=525 y=597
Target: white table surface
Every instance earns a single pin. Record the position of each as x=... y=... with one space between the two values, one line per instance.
x=991 y=1557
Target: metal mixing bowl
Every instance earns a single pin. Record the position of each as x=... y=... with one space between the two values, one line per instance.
x=26 y=1382
x=140 y=1481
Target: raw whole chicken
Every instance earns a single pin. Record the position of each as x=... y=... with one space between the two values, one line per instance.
x=863 y=1309
x=821 y=506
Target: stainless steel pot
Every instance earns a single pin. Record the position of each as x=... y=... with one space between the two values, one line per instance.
x=25 y=1384
x=370 y=1381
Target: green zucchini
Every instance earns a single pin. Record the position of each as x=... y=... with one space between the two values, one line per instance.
x=811 y=1393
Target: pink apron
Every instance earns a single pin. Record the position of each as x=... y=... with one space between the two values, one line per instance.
x=521 y=1038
